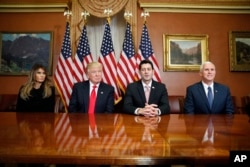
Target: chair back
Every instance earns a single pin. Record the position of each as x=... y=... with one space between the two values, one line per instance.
x=176 y=103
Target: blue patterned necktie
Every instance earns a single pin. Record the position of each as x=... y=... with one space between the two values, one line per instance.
x=210 y=96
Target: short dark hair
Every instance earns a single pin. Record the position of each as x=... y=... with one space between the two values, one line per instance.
x=146 y=61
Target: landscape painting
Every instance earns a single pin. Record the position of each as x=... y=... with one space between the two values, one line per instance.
x=184 y=52
x=239 y=43
x=20 y=51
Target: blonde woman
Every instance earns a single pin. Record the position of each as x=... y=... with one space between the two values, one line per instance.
x=38 y=94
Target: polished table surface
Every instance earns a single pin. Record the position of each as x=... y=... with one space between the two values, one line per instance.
x=120 y=139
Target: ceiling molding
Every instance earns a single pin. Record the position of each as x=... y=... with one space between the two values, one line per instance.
x=58 y=7
x=193 y=8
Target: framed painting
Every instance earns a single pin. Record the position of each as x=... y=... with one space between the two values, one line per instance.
x=184 y=52
x=239 y=46
x=21 y=50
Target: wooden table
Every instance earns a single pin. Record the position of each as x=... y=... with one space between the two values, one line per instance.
x=120 y=139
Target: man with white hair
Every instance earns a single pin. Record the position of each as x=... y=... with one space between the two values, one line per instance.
x=207 y=96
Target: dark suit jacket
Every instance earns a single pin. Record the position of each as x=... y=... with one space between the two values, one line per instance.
x=196 y=100
x=79 y=101
x=135 y=97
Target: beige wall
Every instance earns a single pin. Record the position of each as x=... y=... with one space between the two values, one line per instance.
x=216 y=26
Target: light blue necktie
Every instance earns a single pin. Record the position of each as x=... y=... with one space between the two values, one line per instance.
x=210 y=96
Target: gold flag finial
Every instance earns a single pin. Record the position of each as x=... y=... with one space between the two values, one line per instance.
x=127 y=15
x=67 y=13
x=145 y=14
x=85 y=14
x=108 y=12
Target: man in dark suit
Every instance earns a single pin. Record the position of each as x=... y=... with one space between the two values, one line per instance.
x=198 y=100
x=146 y=96
x=81 y=94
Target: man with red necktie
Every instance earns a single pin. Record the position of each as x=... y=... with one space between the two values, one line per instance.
x=93 y=95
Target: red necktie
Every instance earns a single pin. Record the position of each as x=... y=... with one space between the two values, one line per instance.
x=92 y=100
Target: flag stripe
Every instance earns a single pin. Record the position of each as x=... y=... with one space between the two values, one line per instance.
x=146 y=52
x=127 y=63
x=63 y=76
x=108 y=61
x=83 y=56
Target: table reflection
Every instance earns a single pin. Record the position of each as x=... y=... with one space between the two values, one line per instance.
x=121 y=139
x=35 y=131
x=210 y=133
x=111 y=135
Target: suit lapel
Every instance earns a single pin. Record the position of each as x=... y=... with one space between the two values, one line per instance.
x=203 y=95
x=215 y=96
x=99 y=92
x=152 y=92
x=86 y=96
x=140 y=90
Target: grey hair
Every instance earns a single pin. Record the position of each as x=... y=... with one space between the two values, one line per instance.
x=206 y=62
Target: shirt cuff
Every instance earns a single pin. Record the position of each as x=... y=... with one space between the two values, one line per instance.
x=137 y=111
x=159 y=112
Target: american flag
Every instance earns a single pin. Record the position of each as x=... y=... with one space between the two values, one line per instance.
x=83 y=57
x=127 y=63
x=108 y=61
x=146 y=52
x=63 y=74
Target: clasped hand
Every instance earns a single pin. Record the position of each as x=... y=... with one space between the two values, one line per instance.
x=150 y=110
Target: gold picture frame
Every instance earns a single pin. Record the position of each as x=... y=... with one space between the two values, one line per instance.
x=239 y=46
x=184 y=52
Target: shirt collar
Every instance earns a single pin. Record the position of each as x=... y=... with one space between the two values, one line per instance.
x=206 y=85
x=91 y=84
x=144 y=84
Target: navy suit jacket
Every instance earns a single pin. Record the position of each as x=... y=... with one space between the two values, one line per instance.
x=79 y=101
x=135 y=97
x=196 y=100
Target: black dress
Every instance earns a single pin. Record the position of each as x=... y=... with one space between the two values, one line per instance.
x=36 y=102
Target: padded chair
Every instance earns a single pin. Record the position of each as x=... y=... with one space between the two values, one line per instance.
x=245 y=100
x=59 y=106
x=236 y=108
x=8 y=102
x=176 y=104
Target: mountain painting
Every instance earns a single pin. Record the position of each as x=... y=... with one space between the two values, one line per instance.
x=20 y=51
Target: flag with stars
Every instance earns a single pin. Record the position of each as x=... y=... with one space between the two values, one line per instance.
x=127 y=63
x=83 y=57
x=146 y=52
x=108 y=61
x=63 y=74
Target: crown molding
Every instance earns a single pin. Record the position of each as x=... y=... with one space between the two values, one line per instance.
x=58 y=7
x=194 y=8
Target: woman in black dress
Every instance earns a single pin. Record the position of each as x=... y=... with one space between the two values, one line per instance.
x=38 y=94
